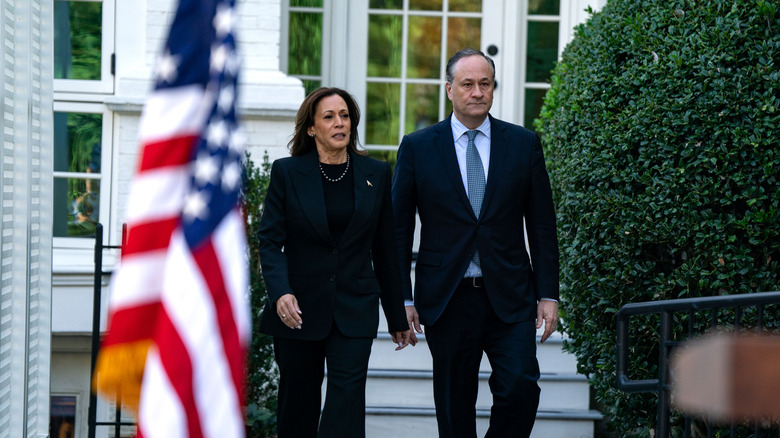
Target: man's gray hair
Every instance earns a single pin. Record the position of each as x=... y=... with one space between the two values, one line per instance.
x=450 y=75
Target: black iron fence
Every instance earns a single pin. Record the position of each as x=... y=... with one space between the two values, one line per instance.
x=682 y=319
x=118 y=421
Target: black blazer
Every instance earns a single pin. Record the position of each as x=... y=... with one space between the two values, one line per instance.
x=332 y=281
x=427 y=179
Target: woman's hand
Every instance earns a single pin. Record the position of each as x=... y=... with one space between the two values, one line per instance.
x=414 y=324
x=401 y=339
x=288 y=311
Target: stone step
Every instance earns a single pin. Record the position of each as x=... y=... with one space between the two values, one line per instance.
x=552 y=359
x=415 y=388
x=410 y=422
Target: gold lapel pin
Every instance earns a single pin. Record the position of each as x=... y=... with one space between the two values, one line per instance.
x=369 y=183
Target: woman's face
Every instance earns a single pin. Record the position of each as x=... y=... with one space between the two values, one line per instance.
x=332 y=125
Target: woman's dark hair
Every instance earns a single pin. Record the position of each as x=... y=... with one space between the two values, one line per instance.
x=301 y=142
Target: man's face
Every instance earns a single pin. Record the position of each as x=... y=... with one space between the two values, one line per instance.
x=471 y=90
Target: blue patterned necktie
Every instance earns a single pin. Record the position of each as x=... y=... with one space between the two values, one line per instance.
x=475 y=176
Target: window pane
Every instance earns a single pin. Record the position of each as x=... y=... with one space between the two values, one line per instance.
x=62 y=416
x=382 y=113
x=77 y=40
x=533 y=106
x=422 y=106
x=306 y=3
x=425 y=5
x=310 y=85
x=544 y=7
x=77 y=138
x=386 y=4
x=542 y=50
x=76 y=207
x=384 y=42
x=465 y=6
x=390 y=156
x=424 y=47
x=305 y=49
x=463 y=33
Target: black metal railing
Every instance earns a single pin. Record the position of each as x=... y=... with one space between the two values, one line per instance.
x=92 y=422
x=734 y=311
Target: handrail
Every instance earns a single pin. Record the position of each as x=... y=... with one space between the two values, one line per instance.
x=677 y=305
x=92 y=422
x=667 y=309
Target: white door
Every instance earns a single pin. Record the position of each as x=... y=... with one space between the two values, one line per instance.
x=391 y=55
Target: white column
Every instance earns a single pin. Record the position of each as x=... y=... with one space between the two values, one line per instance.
x=25 y=200
x=574 y=12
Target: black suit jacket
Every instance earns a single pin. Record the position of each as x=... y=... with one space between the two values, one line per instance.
x=427 y=179
x=332 y=281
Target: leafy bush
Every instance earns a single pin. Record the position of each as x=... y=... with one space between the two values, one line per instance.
x=661 y=132
x=261 y=390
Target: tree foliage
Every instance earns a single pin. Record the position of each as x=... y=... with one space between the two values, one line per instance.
x=661 y=132
x=262 y=382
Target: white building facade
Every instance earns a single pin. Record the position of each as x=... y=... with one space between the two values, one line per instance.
x=76 y=73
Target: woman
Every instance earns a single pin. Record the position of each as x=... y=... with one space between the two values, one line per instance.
x=327 y=252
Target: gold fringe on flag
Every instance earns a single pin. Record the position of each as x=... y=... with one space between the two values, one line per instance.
x=119 y=372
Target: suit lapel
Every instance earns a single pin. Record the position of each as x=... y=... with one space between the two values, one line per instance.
x=498 y=149
x=366 y=189
x=449 y=160
x=307 y=184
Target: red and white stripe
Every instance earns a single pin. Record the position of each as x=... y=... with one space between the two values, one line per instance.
x=191 y=303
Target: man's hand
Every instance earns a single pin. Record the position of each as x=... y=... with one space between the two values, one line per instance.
x=288 y=311
x=414 y=324
x=547 y=311
x=402 y=339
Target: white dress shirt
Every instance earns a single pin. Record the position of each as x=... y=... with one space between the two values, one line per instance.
x=482 y=142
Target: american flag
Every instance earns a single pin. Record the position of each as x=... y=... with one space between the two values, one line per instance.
x=179 y=324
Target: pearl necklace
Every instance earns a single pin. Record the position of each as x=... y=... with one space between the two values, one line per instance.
x=335 y=179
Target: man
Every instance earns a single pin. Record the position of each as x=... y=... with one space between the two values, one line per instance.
x=476 y=287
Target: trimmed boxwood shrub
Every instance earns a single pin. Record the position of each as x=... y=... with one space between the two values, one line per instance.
x=262 y=377
x=661 y=131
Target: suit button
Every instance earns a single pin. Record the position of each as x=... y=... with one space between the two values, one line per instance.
x=332 y=278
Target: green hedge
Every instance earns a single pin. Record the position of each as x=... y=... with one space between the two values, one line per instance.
x=661 y=132
x=262 y=376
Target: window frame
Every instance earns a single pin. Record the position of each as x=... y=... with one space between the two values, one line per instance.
x=79 y=418
x=76 y=252
x=105 y=85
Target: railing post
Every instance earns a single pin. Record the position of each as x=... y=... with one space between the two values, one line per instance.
x=621 y=345
x=97 y=280
x=664 y=400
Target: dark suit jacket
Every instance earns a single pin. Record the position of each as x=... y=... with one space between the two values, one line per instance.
x=332 y=281
x=427 y=179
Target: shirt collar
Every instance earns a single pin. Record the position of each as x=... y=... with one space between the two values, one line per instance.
x=459 y=128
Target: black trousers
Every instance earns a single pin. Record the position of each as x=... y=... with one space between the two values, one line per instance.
x=467 y=328
x=301 y=371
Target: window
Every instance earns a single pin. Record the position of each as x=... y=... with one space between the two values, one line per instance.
x=62 y=416
x=542 y=47
x=83 y=46
x=410 y=43
x=80 y=161
x=304 y=35
x=83 y=78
